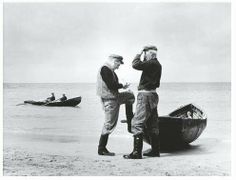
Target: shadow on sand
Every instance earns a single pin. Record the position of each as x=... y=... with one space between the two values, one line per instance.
x=181 y=149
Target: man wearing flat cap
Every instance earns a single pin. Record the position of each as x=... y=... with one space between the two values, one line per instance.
x=145 y=120
x=108 y=90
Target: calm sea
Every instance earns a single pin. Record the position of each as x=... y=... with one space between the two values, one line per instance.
x=87 y=119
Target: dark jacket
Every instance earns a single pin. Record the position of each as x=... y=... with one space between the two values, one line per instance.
x=52 y=98
x=110 y=78
x=63 y=98
x=151 y=75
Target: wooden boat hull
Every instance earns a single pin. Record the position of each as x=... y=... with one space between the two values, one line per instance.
x=175 y=129
x=70 y=102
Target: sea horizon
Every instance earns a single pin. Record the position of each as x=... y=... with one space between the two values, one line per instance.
x=227 y=82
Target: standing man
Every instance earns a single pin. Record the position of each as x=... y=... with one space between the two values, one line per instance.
x=146 y=115
x=107 y=89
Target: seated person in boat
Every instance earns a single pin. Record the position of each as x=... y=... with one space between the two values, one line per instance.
x=63 y=98
x=52 y=98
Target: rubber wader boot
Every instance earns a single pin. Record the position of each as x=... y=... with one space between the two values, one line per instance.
x=129 y=115
x=155 y=144
x=138 y=146
x=102 y=150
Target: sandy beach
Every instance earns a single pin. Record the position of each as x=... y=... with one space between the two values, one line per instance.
x=208 y=155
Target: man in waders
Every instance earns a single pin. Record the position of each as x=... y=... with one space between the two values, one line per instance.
x=107 y=89
x=146 y=115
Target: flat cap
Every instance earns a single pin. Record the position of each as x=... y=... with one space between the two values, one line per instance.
x=118 y=57
x=150 y=47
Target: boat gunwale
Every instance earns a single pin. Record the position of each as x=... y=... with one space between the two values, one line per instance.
x=203 y=114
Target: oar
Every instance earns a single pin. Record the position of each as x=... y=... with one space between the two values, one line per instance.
x=51 y=101
x=20 y=104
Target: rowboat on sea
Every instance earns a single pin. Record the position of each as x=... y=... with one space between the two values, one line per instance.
x=69 y=102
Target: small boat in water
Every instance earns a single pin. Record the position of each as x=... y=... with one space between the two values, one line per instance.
x=69 y=102
x=182 y=126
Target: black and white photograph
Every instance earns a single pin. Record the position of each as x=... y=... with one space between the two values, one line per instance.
x=117 y=88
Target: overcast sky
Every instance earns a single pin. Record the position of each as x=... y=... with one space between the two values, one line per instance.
x=68 y=42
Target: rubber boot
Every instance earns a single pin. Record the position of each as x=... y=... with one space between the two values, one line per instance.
x=129 y=115
x=102 y=150
x=137 y=151
x=155 y=144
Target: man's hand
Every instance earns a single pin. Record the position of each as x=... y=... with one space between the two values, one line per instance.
x=141 y=52
x=126 y=85
x=145 y=48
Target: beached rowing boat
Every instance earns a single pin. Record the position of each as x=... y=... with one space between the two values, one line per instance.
x=70 y=102
x=182 y=126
